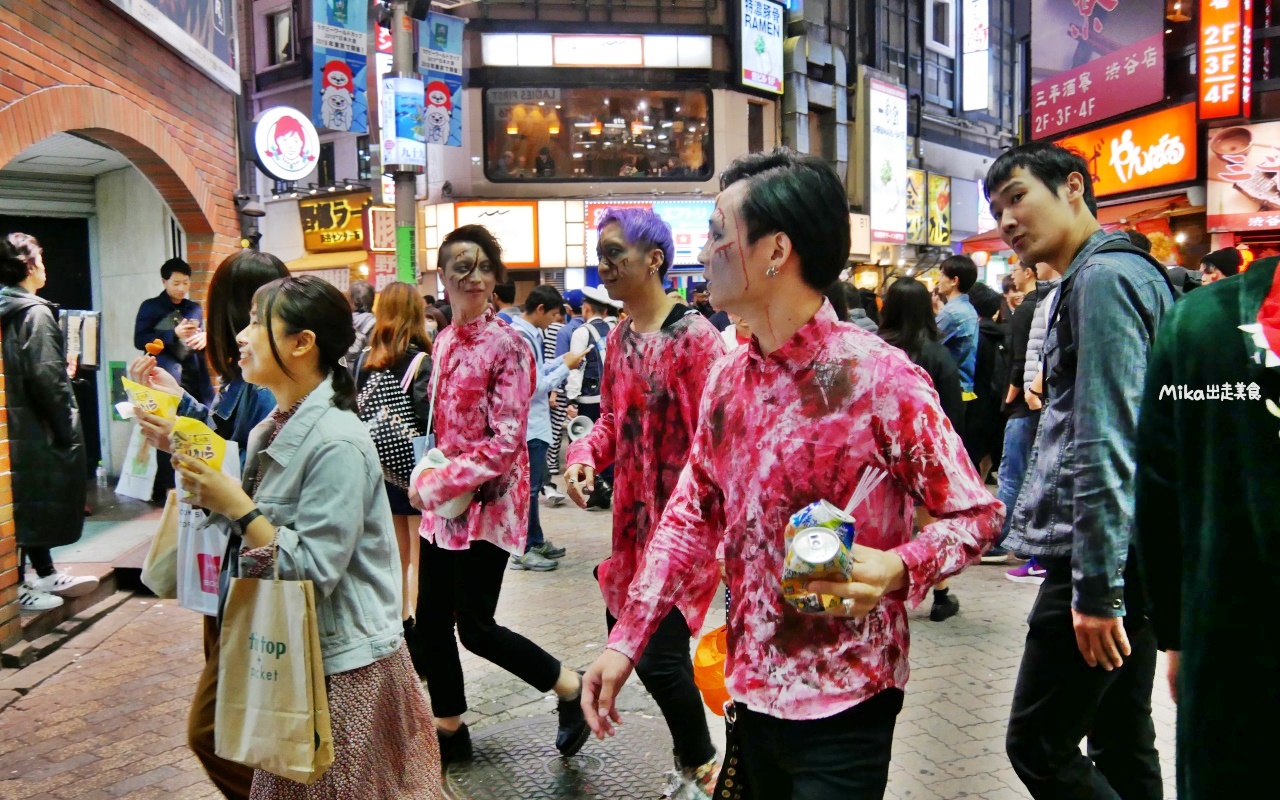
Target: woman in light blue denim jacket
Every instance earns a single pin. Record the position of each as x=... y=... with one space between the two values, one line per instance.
x=312 y=504
x=238 y=407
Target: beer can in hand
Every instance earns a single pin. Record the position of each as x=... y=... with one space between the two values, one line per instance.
x=815 y=554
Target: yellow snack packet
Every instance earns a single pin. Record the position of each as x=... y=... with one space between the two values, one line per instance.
x=194 y=439
x=153 y=401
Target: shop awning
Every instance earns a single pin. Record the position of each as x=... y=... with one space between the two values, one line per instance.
x=343 y=258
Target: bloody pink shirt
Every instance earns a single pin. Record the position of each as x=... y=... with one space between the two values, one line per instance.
x=481 y=416
x=776 y=433
x=648 y=414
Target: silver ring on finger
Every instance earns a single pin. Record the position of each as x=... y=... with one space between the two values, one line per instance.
x=848 y=605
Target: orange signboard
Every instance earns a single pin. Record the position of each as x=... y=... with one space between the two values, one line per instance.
x=1153 y=150
x=1224 y=58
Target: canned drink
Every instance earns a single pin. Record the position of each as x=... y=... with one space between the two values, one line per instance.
x=823 y=514
x=815 y=554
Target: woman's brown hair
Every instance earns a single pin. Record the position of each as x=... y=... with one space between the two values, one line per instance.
x=399 y=321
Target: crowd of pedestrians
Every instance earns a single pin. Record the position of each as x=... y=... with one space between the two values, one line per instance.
x=701 y=429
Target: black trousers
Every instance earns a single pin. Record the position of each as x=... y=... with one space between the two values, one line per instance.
x=1059 y=700
x=844 y=757
x=666 y=670
x=461 y=587
x=41 y=561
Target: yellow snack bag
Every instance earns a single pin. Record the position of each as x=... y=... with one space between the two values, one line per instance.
x=153 y=401
x=194 y=439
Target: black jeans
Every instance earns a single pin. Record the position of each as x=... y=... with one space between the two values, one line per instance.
x=666 y=670
x=462 y=586
x=41 y=561
x=844 y=757
x=1059 y=700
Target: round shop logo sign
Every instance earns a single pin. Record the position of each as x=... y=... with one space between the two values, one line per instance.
x=285 y=143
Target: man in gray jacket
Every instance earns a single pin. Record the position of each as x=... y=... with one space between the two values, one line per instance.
x=1089 y=661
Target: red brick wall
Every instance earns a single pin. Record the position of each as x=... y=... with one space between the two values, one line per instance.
x=84 y=66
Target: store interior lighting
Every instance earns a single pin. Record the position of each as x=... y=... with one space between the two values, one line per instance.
x=1176 y=14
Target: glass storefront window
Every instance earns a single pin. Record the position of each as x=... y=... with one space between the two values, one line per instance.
x=597 y=134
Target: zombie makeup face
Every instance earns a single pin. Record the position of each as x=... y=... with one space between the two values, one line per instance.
x=735 y=268
x=625 y=268
x=469 y=277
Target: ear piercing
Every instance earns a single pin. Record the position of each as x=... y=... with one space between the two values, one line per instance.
x=772 y=272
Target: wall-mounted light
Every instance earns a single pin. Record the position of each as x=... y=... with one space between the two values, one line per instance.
x=1176 y=15
x=512 y=128
x=1180 y=238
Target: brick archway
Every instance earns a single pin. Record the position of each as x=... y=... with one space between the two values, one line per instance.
x=201 y=202
x=115 y=121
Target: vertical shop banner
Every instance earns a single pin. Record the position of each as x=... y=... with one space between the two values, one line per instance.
x=201 y=31
x=1093 y=59
x=1244 y=178
x=339 y=81
x=975 y=45
x=404 y=142
x=886 y=160
x=440 y=63
x=917 y=205
x=763 y=31
x=1224 y=58
x=939 y=210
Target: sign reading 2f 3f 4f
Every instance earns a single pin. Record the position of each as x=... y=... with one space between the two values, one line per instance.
x=763 y=29
x=1224 y=58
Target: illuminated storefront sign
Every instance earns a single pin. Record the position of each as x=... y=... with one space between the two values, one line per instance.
x=514 y=223
x=763 y=30
x=1224 y=58
x=975 y=45
x=886 y=159
x=1244 y=162
x=1150 y=151
x=333 y=223
x=688 y=220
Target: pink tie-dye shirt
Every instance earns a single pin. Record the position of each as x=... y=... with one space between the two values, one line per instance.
x=648 y=414
x=481 y=416
x=776 y=433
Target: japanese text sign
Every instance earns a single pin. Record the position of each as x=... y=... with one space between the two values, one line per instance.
x=1243 y=170
x=939 y=209
x=886 y=160
x=1093 y=59
x=1153 y=150
x=333 y=223
x=763 y=30
x=339 y=97
x=440 y=64
x=1224 y=58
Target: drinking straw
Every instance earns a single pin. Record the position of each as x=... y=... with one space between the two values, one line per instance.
x=866 y=485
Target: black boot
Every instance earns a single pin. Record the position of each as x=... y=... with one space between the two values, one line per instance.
x=573 y=730
x=454 y=747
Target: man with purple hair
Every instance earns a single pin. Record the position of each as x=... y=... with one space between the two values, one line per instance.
x=657 y=362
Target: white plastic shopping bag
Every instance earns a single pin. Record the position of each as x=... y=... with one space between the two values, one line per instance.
x=202 y=542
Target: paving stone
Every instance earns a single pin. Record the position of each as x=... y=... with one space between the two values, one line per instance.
x=114 y=716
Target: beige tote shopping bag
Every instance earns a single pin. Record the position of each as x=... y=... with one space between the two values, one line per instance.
x=160 y=569
x=272 y=707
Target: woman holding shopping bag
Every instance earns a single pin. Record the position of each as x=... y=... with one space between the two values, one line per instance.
x=398 y=356
x=238 y=407
x=312 y=507
x=485 y=375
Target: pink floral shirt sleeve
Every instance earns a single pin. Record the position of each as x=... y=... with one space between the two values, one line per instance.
x=481 y=417
x=648 y=414
x=780 y=432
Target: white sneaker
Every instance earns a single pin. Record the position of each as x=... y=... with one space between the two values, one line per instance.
x=32 y=601
x=64 y=585
x=554 y=498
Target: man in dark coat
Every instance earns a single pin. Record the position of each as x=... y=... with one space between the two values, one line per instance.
x=46 y=443
x=1207 y=505
x=176 y=321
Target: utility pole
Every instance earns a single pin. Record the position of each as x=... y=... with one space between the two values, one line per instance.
x=406 y=176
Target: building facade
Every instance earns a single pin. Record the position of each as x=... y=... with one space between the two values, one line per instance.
x=117 y=151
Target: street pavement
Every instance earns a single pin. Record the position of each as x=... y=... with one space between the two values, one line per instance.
x=105 y=717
